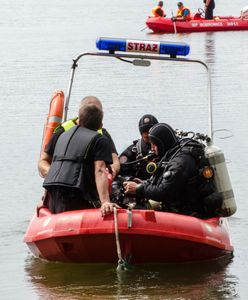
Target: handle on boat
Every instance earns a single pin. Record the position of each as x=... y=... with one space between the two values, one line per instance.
x=174 y=23
x=143 y=28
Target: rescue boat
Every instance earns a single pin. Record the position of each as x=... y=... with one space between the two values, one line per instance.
x=196 y=24
x=134 y=235
x=145 y=236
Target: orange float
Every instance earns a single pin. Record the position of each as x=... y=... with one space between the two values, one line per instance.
x=54 y=117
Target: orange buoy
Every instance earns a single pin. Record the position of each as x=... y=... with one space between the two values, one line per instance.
x=54 y=117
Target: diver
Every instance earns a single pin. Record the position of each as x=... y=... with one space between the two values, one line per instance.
x=177 y=185
x=134 y=158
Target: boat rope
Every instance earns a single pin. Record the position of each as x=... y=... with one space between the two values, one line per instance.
x=174 y=23
x=121 y=262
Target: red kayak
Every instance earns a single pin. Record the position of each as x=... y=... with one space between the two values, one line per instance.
x=197 y=24
x=145 y=236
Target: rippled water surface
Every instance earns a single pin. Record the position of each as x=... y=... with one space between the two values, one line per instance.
x=39 y=39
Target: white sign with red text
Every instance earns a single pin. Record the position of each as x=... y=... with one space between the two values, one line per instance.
x=142 y=46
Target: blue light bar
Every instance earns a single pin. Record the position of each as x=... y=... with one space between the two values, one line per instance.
x=151 y=47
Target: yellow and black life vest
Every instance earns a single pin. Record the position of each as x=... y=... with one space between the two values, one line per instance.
x=71 y=123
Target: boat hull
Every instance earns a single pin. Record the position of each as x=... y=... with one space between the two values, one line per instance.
x=154 y=237
x=165 y=25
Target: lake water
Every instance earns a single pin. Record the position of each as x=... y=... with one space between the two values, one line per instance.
x=39 y=41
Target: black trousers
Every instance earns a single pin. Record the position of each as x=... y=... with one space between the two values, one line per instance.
x=65 y=199
x=209 y=11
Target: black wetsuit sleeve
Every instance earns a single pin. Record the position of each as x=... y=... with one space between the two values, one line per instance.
x=129 y=153
x=52 y=143
x=171 y=181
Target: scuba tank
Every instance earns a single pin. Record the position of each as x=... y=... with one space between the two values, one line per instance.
x=222 y=181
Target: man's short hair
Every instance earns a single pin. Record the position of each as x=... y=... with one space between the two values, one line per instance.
x=179 y=4
x=160 y=3
x=90 y=100
x=90 y=116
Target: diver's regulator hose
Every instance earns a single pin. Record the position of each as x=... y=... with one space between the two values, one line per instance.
x=147 y=157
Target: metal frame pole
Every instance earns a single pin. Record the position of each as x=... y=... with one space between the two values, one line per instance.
x=148 y=57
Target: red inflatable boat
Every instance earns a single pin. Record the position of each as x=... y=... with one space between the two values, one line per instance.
x=133 y=235
x=197 y=24
x=145 y=236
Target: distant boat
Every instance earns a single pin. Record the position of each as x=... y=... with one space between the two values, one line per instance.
x=197 y=24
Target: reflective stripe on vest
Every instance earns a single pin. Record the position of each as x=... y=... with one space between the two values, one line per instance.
x=69 y=124
x=72 y=122
x=100 y=131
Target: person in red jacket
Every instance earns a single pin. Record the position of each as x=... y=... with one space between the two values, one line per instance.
x=158 y=11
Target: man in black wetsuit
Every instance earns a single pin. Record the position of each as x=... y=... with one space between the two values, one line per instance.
x=138 y=150
x=174 y=184
x=77 y=175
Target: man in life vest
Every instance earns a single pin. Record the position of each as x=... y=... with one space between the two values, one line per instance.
x=175 y=185
x=132 y=159
x=46 y=156
x=183 y=13
x=209 y=8
x=158 y=11
x=77 y=176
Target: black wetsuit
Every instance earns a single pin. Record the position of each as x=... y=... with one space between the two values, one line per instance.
x=134 y=152
x=173 y=184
